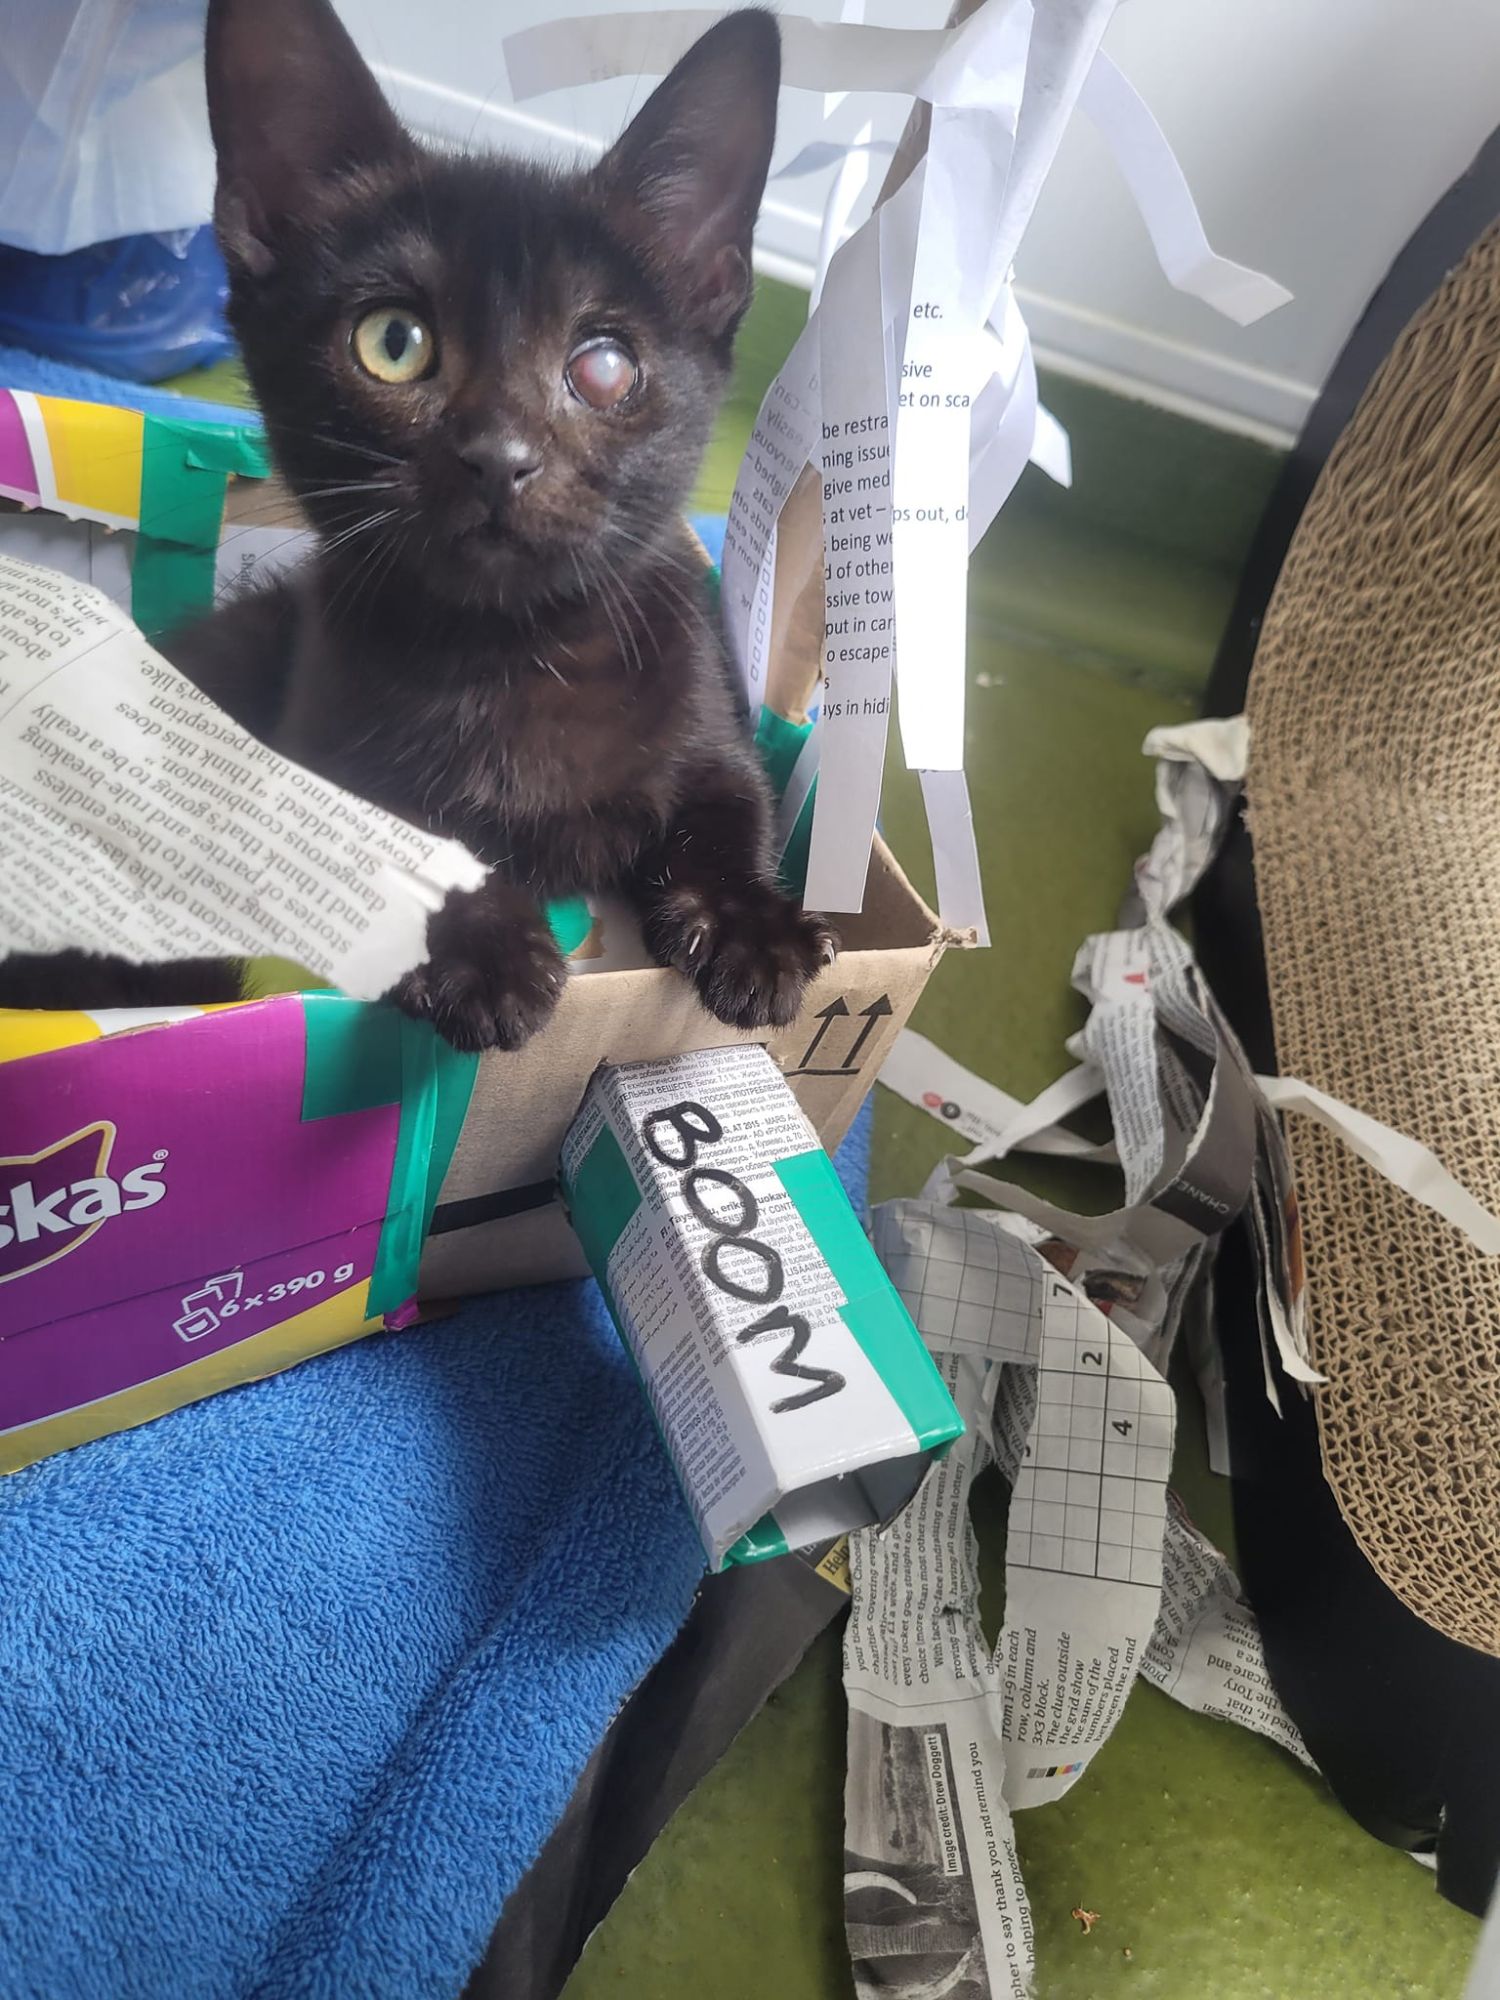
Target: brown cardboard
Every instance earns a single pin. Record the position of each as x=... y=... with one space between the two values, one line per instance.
x=499 y=1221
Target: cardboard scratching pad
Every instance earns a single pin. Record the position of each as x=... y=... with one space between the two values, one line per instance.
x=1375 y=768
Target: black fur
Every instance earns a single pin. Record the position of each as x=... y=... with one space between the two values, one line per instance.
x=504 y=636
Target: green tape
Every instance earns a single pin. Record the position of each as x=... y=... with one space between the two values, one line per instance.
x=353 y=1056
x=238 y=448
x=780 y=745
x=399 y=1252
x=169 y=584
x=872 y=1311
x=758 y=1544
x=360 y=1056
x=602 y=1198
x=569 y=921
x=436 y=1084
x=185 y=468
x=457 y=1073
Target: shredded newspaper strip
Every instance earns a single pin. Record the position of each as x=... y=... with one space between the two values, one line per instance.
x=155 y=828
x=911 y=399
x=1061 y=1329
x=1058 y=1330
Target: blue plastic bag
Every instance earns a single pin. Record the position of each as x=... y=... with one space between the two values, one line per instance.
x=146 y=307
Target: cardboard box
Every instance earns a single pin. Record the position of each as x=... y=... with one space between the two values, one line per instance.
x=159 y=1175
x=293 y=1124
x=793 y=1393
x=499 y=1220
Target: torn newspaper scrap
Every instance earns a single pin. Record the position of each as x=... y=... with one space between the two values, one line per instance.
x=791 y=1389
x=1061 y=1328
x=140 y=821
x=1105 y=1580
x=906 y=413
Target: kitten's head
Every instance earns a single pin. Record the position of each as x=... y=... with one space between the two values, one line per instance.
x=475 y=372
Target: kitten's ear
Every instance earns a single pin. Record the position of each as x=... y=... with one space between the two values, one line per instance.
x=684 y=181
x=291 y=104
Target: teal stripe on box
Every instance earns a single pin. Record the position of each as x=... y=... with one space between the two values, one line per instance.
x=758 y=1544
x=873 y=1311
x=602 y=1198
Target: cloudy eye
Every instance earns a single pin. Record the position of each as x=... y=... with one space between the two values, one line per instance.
x=393 y=345
x=601 y=373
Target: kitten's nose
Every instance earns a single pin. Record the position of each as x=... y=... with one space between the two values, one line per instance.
x=501 y=466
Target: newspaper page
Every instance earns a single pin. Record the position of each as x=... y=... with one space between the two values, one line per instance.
x=1206 y=1651
x=1082 y=1425
x=138 y=820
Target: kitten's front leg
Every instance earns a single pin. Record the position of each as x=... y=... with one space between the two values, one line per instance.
x=493 y=974
x=711 y=909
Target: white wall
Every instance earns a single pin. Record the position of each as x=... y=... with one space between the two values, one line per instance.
x=1315 y=134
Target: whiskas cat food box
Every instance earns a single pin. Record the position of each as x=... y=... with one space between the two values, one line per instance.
x=189 y=1203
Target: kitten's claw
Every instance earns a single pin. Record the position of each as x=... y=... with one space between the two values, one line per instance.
x=477 y=1005
x=748 y=949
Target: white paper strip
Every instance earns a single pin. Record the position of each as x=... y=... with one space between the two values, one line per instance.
x=1004 y=427
x=1149 y=166
x=784 y=439
x=1063 y=44
x=955 y=853
x=943 y=366
x=849 y=184
x=1051 y=449
x=994 y=1122
x=858 y=649
x=1405 y=1163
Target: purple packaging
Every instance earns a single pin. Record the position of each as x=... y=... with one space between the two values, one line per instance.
x=195 y=1203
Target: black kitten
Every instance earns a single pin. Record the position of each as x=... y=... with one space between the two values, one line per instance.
x=490 y=386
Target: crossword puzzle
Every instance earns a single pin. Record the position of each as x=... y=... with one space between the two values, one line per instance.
x=967 y=1284
x=1089 y=1497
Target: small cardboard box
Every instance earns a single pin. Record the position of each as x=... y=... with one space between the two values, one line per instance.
x=795 y=1396
x=499 y=1220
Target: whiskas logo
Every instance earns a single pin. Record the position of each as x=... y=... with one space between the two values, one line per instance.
x=53 y=1201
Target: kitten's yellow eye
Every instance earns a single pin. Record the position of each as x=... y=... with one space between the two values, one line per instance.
x=394 y=345
x=601 y=373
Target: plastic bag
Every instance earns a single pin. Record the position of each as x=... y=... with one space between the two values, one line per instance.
x=147 y=307
x=103 y=121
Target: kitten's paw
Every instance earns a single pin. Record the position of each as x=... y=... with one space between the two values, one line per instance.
x=488 y=1000
x=749 y=950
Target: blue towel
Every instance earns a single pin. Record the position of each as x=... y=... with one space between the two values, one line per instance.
x=295 y=1683
x=44 y=375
